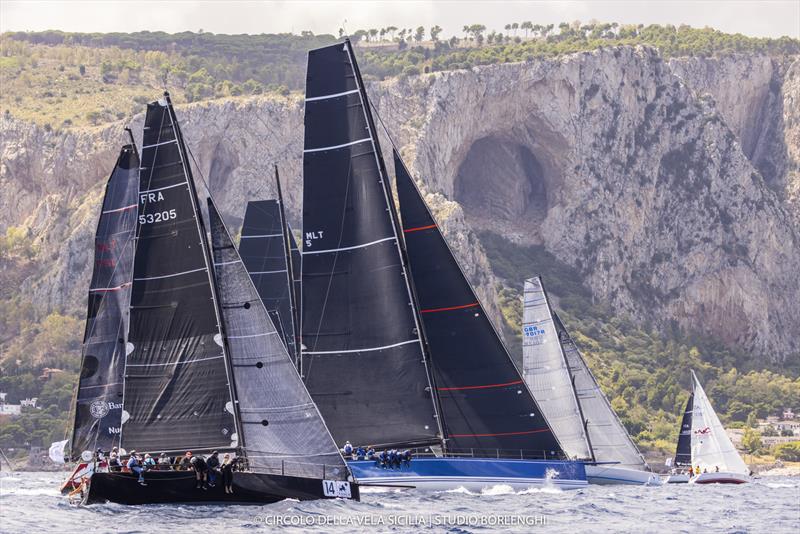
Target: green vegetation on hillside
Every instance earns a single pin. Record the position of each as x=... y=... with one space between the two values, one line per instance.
x=66 y=79
x=644 y=373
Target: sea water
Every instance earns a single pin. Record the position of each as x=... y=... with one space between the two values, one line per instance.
x=30 y=503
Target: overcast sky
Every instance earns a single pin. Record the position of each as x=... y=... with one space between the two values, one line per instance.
x=760 y=18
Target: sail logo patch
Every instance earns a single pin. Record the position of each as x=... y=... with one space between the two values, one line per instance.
x=98 y=409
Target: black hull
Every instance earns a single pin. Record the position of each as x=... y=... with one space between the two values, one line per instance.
x=164 y=487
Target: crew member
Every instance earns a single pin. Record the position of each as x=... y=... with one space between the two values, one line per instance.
x=227 y=472
x=135 y=465
x=200 y=470
x=213 y=468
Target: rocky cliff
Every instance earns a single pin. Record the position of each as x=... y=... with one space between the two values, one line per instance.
x=675 y=206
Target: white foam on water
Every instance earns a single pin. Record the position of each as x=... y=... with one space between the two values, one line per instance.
x=544 y=489
x=460 y=489
x=499 y=489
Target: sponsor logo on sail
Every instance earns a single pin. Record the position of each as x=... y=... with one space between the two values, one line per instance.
x=98 y=409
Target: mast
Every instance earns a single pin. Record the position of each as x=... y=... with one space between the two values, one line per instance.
x=289 y=272
x=572 y=376
x=363 y=356
x=546 y=372
x=178 y=392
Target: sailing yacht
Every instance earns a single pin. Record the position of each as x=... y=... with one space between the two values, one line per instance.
x=397 y=351
x=704 y=445
x=180 y=344
x=571 y=399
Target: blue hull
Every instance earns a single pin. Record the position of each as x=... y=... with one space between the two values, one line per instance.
x=474 y=474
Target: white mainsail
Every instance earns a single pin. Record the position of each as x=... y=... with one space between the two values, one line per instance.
x=608 y=438
x=545 y=371
x=711 y=446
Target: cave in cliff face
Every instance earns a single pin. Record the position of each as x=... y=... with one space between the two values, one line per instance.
x=502 y=181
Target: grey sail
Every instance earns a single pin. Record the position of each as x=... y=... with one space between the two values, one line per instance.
x=609 y=440
x=546 y=372
x=282 y=428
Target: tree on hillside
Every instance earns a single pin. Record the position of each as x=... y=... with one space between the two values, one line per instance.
x=527 y=26
x=515 y=27
x=751 y=441
x=476 y=30
x=382 y=33
x=419 y=35
x=372 y=33
x=435 y=31
x=391 y=30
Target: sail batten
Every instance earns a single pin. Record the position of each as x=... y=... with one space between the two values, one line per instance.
x=547 y=373
x=485 y=404
x=279 y=419
x=177 y=392
x=264 y=256
x=355 y=291
x=98 y=412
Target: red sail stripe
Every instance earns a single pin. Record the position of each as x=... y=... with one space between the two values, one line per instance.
x=418 y=228
x=499 y=434
x=434 y=310
x=515 y=382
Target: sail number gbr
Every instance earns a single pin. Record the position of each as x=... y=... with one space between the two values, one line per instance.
x=159 y=216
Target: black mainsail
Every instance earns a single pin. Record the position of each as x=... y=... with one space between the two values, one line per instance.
x=178 y=394
x=264 y=249
x=99 y=400
x=485 y=403
x=363 y=359
x=683 y=453
x=282 y=429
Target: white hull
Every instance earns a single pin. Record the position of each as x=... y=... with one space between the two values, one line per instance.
x=681 y=478
x=612 y=474
x=720 y=478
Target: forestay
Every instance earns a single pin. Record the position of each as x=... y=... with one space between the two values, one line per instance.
x=99 y=401
x=608 y=438
x=486 y=407
x=282 y=430
x=711 y=446
x=362 y=360
x=545 y=370
x=177 y=392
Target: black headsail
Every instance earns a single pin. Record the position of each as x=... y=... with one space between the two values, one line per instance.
x=363 y=359
x=683 y=453
x=264 y=249
x=282 y=430
x=178 y=395
x=485 y=403
x=99 y=401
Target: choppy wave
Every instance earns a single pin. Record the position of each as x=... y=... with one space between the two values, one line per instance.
x=30 y=503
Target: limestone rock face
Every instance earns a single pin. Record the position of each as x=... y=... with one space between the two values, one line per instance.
x=671 y=187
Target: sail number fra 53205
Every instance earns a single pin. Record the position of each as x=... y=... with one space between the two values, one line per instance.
x=159 y=216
